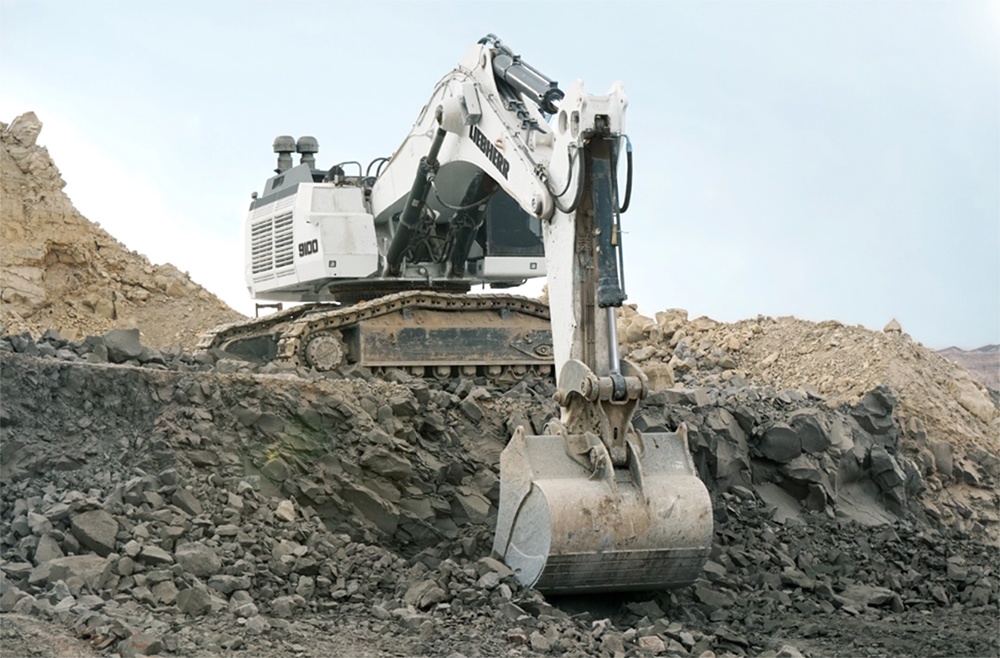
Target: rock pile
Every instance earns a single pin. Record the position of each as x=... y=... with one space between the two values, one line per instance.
x=157 y=502
x=835 y=364
x=57 y=269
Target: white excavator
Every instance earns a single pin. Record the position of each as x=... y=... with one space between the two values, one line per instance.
x=504 y=177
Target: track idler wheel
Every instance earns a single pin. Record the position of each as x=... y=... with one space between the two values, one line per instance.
x=325 y=350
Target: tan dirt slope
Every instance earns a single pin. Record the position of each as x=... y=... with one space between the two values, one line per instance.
x=61 y=271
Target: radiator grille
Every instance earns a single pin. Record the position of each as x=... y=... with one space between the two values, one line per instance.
x=271 y=243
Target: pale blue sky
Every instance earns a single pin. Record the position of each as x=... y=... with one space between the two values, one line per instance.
x=828 y=160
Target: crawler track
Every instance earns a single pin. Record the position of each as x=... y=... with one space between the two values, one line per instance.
x=417 y=330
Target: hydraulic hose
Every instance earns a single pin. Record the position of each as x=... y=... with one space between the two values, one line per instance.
x=628 y=176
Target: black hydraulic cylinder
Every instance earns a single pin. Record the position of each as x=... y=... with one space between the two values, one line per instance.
x=464 y=236
x=609 y=289
x=529 y=81
x=468 y=220
x=413 y=210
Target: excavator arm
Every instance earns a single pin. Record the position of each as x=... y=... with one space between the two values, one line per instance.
x=593 y=504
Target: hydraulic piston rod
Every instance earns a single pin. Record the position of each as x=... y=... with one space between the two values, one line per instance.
x=413 y=211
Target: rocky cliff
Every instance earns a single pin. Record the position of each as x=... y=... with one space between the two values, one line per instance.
x=59 y=270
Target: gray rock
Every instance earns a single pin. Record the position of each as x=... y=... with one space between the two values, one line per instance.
x=90 y=569
x=796 y=578
x=418 y=591
x=645 y=609
x=283 y=607
x=122 y=344
x=203 y=457
x=471 y=505
x=144 y=595
x=10 y=598
x=165 y=592
x=372 y=506
x=874 y=412
x=540 y=643
x=39 y=524
x=198 y=559
x=689 y=397
x=867 y=595
x=194 y=601
x=47 y=549
x=126 y=565
x=99 y=354
x=23 y=344
x=969 y=473
x=57 y=512
x=712 y=598
x=307 y=587
x=487 y=564
x=270 y=424
x=226 y=584
x=154 y=555
x=96 y=530
x=780 y=443
x=651 y=644
x=390 y=464
x=809 y=424
x=944 y=460
x=257 y=625
x=276 y=469
x=472 y=409
x=803 y=469
x=612 y=644
x=246 y=609
x=186 y=501
x=140 y=644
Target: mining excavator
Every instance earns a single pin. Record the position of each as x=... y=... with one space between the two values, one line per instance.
x=504 y=177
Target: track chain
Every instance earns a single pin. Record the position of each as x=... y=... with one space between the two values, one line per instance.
x=302 y=321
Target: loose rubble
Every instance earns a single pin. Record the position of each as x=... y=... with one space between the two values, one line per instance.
x=177 y=504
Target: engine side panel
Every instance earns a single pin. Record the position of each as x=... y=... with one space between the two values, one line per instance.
x=299 y=242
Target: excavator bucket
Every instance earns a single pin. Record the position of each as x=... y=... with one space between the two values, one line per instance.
x=564 y=527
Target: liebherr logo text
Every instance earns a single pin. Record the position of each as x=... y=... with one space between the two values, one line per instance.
x=489 y=150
